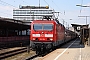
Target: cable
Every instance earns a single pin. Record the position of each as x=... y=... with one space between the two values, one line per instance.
x=7 y=3
x=4 y=11
x=51 y=7
x=60 y=12
x=24 y=1
x=56 y=5
x=81 y=7
x=7 y=14
x=47 y=3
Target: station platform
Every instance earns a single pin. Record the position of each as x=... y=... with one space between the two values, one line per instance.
x=70 y=51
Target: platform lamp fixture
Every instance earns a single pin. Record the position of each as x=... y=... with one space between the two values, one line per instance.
x=84 y=16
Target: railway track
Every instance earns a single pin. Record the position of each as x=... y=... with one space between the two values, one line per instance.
x=36 y=56
x=32 y=57
x=11 y=53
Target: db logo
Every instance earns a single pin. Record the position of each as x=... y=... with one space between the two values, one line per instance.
x=42 y=35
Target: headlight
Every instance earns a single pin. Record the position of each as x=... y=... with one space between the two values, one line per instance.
x=48 y=35
x=36 y=35
x=51 y=39
x=33 y=39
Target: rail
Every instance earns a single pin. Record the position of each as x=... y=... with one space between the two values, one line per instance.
x=11 y=53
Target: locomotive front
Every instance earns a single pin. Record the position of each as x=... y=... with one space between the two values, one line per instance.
x=42 y=34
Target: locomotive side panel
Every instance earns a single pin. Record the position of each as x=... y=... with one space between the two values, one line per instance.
x=60 y=32
x=68 y=35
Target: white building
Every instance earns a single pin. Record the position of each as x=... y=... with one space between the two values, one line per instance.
x=30 y=13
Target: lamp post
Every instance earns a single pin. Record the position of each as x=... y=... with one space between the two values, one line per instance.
x=84 y=16
x=63 y=21
x=39 y=3
x=83 y=5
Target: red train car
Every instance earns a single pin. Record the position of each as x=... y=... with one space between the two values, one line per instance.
x=46 y=34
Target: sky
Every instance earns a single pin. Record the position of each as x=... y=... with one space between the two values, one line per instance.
x=69 y=12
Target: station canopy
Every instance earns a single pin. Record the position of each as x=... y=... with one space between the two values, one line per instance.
x=12 y=24
x=77 y=27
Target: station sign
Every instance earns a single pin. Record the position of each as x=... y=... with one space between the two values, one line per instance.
x=78 y=28
x=89 y=26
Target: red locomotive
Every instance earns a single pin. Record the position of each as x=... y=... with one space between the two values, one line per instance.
x=46 y=34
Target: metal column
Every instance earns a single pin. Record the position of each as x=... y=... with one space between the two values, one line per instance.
x=89 y=38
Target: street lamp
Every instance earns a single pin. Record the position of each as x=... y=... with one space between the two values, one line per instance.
x=83 y=5
x=84 y=16
x=70 y=19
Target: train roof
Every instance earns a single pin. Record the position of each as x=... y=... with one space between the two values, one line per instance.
x=45 y=21
x=48 y=19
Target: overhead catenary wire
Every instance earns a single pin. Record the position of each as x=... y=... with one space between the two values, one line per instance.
x=8 y=4
x=81 y=7
x=5 y=12
x=24 y=2
x=63 y=21
x=47 y=3
x=52 y=8
x=56 y=5
x=7 y=15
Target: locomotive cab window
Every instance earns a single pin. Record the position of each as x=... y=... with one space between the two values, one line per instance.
x=43 y=27
x=37 y=26
x=47 y=27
